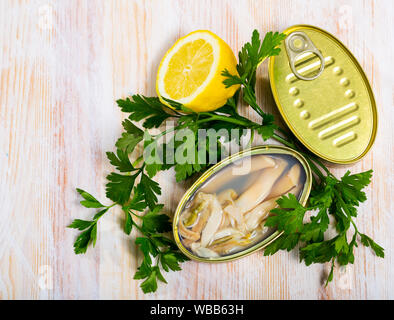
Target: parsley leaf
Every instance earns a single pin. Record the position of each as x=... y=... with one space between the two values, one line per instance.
x=90 y=201
x=318 y=252
x=251 y=55
x=119 y=187
x=159 y=276
x=156 y=155
x=153 y=222
x=89 y=236
x=170 y=261
x=137 y=203
x=148 y=108
x=150 y=189
x=368 y=242
x=120 y=160
x=232 y=79
x=150 y=284
x=286 y=220
x=268 y=127
x=284 y=242
x=143 y=271
x=289 y=219
x=128 y=225
x=130 y=138
x=192 y=156
x=351 y=186
x=255 y=52
x=168 y=257
x=80 y=224
x=338 y=198
x=132 y=128
x=84 y=239
x=147 y=247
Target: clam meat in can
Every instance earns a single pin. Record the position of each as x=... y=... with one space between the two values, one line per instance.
x=222 y=215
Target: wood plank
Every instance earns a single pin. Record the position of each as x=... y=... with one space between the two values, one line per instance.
x=63 y=65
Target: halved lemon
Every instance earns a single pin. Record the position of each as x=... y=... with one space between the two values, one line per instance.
x=190 y=72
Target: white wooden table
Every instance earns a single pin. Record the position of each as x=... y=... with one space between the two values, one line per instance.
x=63 y=65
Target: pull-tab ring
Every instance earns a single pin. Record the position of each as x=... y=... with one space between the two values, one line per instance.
x=297 y=44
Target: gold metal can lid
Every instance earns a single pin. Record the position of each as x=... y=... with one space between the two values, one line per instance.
x=323 y=95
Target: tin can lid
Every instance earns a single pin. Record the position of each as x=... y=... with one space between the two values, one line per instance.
x=323 y=95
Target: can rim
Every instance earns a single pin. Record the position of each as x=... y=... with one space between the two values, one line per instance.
x=265 y=149
x=366 y=81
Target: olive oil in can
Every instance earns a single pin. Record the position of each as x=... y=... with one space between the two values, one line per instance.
x=323 y=95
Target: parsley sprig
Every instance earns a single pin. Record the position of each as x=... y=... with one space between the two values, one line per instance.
x=89 y=228
x=133 y=189
x=330 y=196
x=137 y=194
x=153 y=244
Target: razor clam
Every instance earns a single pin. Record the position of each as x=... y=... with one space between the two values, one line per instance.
x=287 y=182
x=203 y=252
x=227 y=196
x=261 y=188
x=257 y=215
x=187 y=233
x=254 y=217
x=205 y=214
x=223 y=247
x=191 y=219
x=200 y=211
x=226 y=232
x=262 y=162
x=213 y=223
x=223 y=223
x=236 y=215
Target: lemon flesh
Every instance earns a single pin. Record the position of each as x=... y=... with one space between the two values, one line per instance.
x=190 y=72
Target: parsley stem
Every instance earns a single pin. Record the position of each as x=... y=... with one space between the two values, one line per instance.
x=252 y=102
x=251 y=139
x=313 y=158
x=317 y=160
x=222 y=118
x=136 y=162
x=136 y=215
x=166 y=131
x=287 y=142
x=345 y=208
x=283 y=141
x=139 y=228
x=284 y=132
x=315 y=169
x=290 y=144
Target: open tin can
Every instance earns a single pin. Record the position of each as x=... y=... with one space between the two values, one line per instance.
x=232 y=174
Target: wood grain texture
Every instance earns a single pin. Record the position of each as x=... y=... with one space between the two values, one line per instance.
x=63 y=65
